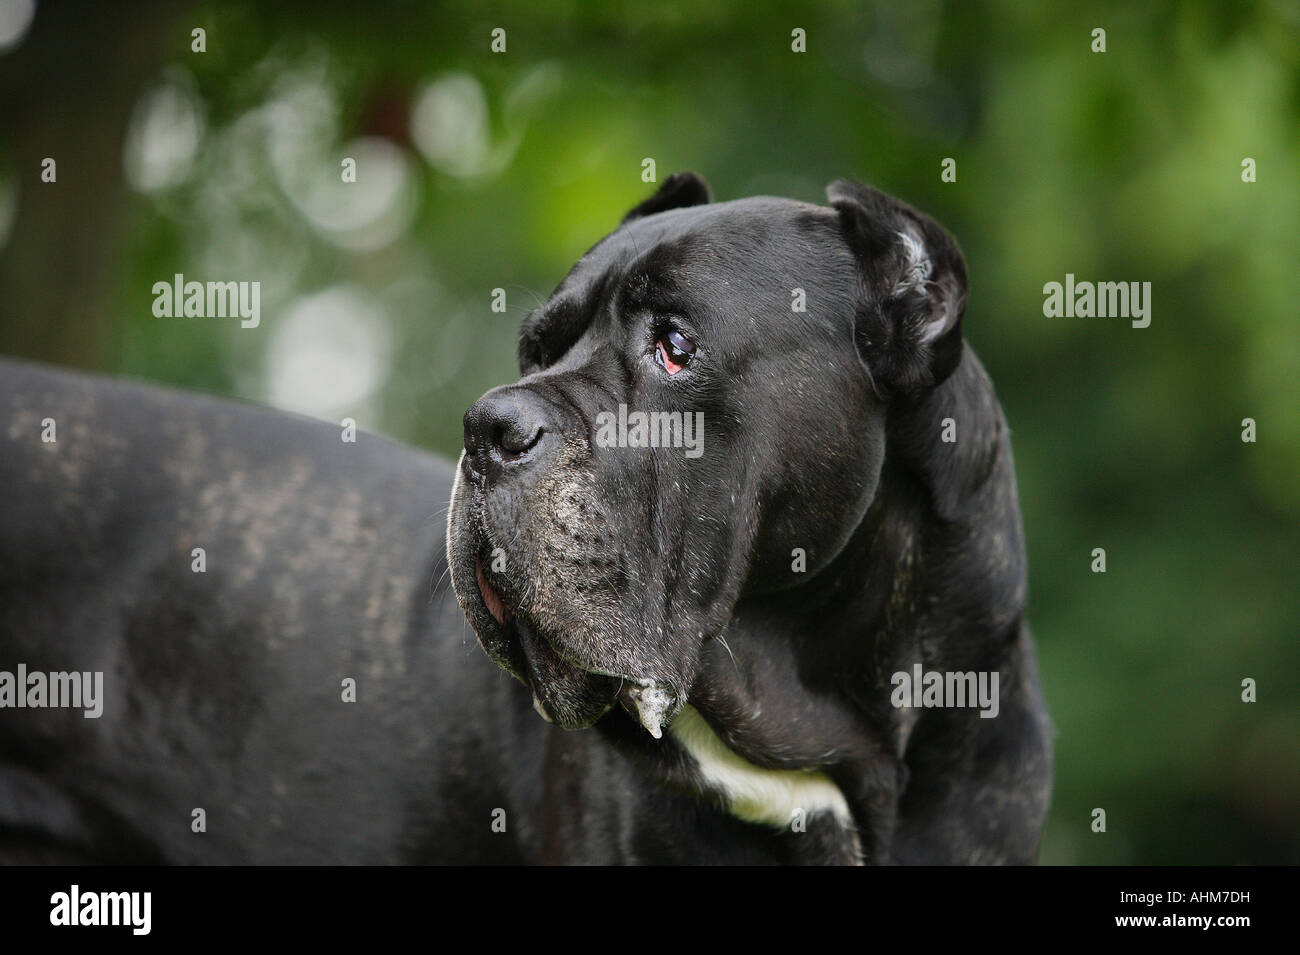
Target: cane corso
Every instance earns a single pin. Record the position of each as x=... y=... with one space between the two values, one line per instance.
x=745 y=530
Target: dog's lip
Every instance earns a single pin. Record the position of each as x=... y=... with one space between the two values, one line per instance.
x=509 y=619
x=563 y=692
x=491 y=599
x=649 y=702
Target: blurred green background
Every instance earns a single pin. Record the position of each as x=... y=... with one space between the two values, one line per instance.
x=479 y=170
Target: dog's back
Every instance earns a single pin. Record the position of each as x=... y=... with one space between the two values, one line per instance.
x=267 y=606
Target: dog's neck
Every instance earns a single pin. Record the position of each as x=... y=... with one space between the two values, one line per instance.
x=793 y=801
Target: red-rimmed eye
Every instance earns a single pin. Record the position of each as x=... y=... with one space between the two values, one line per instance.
x=674 y=351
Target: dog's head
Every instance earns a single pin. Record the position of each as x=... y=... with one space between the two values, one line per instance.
x=701 y=412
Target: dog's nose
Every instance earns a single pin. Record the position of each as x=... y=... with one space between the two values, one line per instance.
x=502 y=428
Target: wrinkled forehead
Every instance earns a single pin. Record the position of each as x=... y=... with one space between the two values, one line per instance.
x=749 y=249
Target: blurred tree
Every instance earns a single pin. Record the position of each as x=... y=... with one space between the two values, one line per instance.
x=66 y=93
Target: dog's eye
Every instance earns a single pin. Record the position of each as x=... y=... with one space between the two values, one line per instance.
x=674 y=351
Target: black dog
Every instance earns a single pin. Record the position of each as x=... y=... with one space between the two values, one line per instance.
x=751 y=484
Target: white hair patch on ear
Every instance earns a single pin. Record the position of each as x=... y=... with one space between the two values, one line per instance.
x=917 y=269
x=916 y=266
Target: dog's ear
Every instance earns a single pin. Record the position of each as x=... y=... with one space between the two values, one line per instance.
x=679 y=190
x=907 y=325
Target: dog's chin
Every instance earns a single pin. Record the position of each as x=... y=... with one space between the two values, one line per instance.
x=564 y=692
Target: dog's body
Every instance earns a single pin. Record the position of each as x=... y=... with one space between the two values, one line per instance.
x=748 y=608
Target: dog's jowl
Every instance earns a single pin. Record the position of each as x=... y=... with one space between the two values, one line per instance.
x=759 y=570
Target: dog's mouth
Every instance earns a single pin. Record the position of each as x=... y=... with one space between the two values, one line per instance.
x=495 y=605
x=567 y=692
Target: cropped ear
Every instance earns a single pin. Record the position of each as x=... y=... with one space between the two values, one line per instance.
x=907 y=326
x=679 y=190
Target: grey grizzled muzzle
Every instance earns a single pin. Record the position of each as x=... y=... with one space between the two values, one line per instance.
x=538 y=569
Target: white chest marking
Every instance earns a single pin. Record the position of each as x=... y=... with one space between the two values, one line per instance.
x=755 y=794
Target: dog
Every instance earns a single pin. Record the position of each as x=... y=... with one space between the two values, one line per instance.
x=748 y=510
